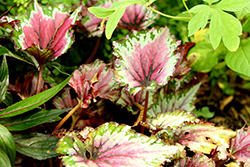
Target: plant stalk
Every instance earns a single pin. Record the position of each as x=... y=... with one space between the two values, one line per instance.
x=39 y=79
x=169 y=16
x=185 y=5
x=145 y=112
x=67 y=116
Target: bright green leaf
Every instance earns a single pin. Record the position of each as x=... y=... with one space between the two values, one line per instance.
x=4 y=79
x=232 y=5
x=4 y=159
x=226 y=27
x=210 y=1
x=202 y=58
x=101 y=12
x=246 y=25
x=36 y=145
x=199 y=21
x=203 y=112
x=7 y=144
x=113 y=21
x=30 y=119
x=239 y=61
x=244 y=11
x=32 y=102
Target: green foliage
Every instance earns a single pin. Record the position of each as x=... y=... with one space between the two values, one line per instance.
x=36 y=145
x=32 y=102
x=7 y=147
x=32 y=118
x=4 y=79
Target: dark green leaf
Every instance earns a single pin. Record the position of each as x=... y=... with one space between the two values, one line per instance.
x=4 y=79
x=7 y=144
x=4 y=159
x=101 y=12
x=36 y=145
x=30 y=119
x=32 y=102
x=6 y=52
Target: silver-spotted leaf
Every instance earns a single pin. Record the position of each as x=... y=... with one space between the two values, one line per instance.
x=170 y=120
x=146 y=59
x=203 y=137
x=112 y=144
x=240 y=145
x=180 y=100
x=196 y=161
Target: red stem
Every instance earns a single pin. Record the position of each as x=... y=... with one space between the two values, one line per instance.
x=97 y=43
x=39 y=79
x=145 y=112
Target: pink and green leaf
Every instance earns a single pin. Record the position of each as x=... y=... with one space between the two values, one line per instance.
x=203 y=137
x=240 y=146
x=46 y=36
x=196 y=161
x=180 y=100
x=93 y=80
x=128 y=101
x=170 y=120
x=112 y=144
x=146 y=59
x=137 y=17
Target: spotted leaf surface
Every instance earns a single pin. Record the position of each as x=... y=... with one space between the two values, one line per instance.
x=196 y=161
x=180 y=100
x=46 y=33
x=145 y=60
x=170 y=120
x=114 y=145
x=240 y=145
x=203 y=137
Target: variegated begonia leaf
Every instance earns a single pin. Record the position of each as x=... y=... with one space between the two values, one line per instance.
x=112 y=144
x=146 y=59
x=93 y=80
x=128 y=101
x=170 y=120
x=240 y=146
x=180 y=100
x=203 y=137
x=45 y=33
x=197 y=160
x=8 y=22
x=135 y=17
x=182 y=67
